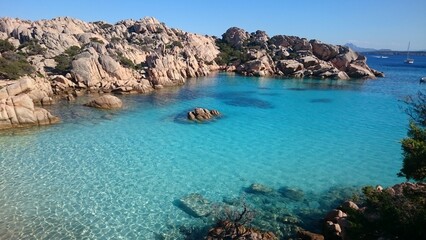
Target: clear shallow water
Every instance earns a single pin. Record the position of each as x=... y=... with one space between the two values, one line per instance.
x=103 y=174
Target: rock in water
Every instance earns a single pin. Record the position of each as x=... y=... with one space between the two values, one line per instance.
x=195 y=205
x=258 y=188
x=291 y=193
x=105 y=102
x=202 y=114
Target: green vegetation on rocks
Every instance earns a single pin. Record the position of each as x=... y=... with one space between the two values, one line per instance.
x=32 y=47
x=13 y=66
x=414 y=145
x=229 y=54
x=6 y=46
x=64 y=60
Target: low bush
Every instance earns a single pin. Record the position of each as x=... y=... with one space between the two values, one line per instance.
x=393 y=216
x=13 y=66
x=32 y=47
x=6 y=46
x=64 y=60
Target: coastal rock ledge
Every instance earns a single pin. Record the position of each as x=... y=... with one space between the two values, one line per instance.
x=17 y=107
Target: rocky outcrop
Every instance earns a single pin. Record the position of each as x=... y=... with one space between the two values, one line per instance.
x=105 y=102
x=202 y=114
x=292 y=56
x=129 y=56
x=236 y=37
x=17 y=107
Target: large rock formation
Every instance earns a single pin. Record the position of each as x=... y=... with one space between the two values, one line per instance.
x=129 y=56
x=17 y=107
x=256 y=54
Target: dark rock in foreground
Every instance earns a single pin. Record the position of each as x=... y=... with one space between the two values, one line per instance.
x=232 y=230
x=202 y=114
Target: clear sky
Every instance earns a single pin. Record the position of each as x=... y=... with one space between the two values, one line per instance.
x=366 y=23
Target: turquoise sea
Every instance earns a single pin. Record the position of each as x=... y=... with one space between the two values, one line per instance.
x=117 y=174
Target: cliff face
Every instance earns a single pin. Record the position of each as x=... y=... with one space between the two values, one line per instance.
x=257 y=54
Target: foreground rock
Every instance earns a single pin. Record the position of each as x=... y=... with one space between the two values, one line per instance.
x=202 y=114
x=231 y=230
x=17 y=108
x=195 y=205
x=105 y=102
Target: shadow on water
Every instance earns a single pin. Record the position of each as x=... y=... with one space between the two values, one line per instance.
x=249 y=102
x=321 y=100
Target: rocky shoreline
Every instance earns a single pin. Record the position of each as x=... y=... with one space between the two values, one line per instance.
x=64 y=58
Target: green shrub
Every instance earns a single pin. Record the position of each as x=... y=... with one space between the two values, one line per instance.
x=414 y=145
x=6 y=46
x=228 y=54
x=398 y=216
x=96 y=40
x=13 y=66
x=32 y=48
x=64 y=60
x=125 y=62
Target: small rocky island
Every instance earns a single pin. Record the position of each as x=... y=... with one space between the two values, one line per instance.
x=64 y=58
x=202 y=114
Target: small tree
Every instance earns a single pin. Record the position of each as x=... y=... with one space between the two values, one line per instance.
x=414 y=145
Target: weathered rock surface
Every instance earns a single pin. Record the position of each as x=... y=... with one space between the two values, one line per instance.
x=195 y=205
x=105 y=102
x=202 y=114
x=17 y=108
x=130 y=55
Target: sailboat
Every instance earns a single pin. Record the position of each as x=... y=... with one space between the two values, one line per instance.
x=409 y=60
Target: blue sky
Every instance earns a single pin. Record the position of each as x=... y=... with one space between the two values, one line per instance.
x=367 y=23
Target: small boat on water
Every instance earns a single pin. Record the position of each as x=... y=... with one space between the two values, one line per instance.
x=423 y=80
x=409 y=60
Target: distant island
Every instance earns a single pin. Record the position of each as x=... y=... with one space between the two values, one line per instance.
x=383 y=51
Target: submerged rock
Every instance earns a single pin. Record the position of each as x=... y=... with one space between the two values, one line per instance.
x=202 y=114
x=258 y=188
x=105 y=102
x=292 y=193
x=195 y=205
